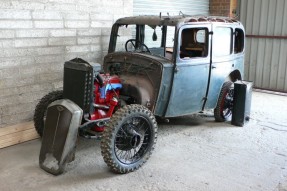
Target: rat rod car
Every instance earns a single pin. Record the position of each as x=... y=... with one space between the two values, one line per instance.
x=164 y=66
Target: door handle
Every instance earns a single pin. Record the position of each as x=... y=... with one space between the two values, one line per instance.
x=212 y=67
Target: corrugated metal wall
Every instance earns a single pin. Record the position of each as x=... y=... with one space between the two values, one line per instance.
x=154 y=7
x=265 y=23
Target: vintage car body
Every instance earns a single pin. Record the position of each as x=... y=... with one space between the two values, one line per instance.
x=177 y=86
x=155 y=66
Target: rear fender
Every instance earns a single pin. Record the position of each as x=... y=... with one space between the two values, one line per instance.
x=234 y=75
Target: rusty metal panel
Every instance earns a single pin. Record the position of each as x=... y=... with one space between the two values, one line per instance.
x=266 y=31
x=189 y=7
x=60 y=135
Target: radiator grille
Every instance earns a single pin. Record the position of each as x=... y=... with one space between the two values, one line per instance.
x=78 y=83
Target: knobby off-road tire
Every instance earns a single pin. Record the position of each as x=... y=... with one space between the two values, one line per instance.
x=129 y=138
x=41 y=109
x=223 y=110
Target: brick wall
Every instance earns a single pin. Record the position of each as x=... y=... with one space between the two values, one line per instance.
x=37 y=36
x=233 y=8
x=223 y=7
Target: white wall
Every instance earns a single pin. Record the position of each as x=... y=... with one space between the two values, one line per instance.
x=38 y=36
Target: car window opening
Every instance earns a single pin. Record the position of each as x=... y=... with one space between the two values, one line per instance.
x=137 y=38
x=194 y=43
x=239 y=41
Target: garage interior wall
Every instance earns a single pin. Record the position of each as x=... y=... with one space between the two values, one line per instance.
x=38 y=36
x=266 y=43
x=188 y=7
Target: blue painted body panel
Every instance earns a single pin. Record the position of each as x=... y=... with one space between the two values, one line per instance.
x=189 y=88
x=190 y=82
x=219 y=74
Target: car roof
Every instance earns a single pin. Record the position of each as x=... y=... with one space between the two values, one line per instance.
x=153 y=20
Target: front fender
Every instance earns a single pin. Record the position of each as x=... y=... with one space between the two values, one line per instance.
x=139 y=89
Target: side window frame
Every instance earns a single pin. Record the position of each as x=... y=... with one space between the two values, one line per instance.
x=231 y=44
x=242 y=50
x=194 y=60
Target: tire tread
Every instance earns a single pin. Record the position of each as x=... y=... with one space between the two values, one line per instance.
x=111 y=130
x=41 y=108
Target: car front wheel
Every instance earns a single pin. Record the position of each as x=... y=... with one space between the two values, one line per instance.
x=129 y=138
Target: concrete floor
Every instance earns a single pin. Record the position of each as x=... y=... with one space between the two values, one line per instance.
x=192 y=153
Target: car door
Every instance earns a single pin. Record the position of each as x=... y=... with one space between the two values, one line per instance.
x=192 y=70
x=222 y=61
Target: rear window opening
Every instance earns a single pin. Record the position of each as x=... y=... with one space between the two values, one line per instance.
x=222 y=41
x=239 y=41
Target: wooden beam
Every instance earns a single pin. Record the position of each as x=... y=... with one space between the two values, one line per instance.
x=16 y=134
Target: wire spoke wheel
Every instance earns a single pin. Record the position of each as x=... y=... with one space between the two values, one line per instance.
x=132 y=140
x=223 y=110
x=227 y=104
x=129 y=139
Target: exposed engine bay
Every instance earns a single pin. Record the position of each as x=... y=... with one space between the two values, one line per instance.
x=98 y=98
x=106 y=98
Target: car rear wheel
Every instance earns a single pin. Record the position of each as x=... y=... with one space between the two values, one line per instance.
x=223 y=110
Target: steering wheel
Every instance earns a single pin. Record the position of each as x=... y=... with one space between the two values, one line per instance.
x=140 y=48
